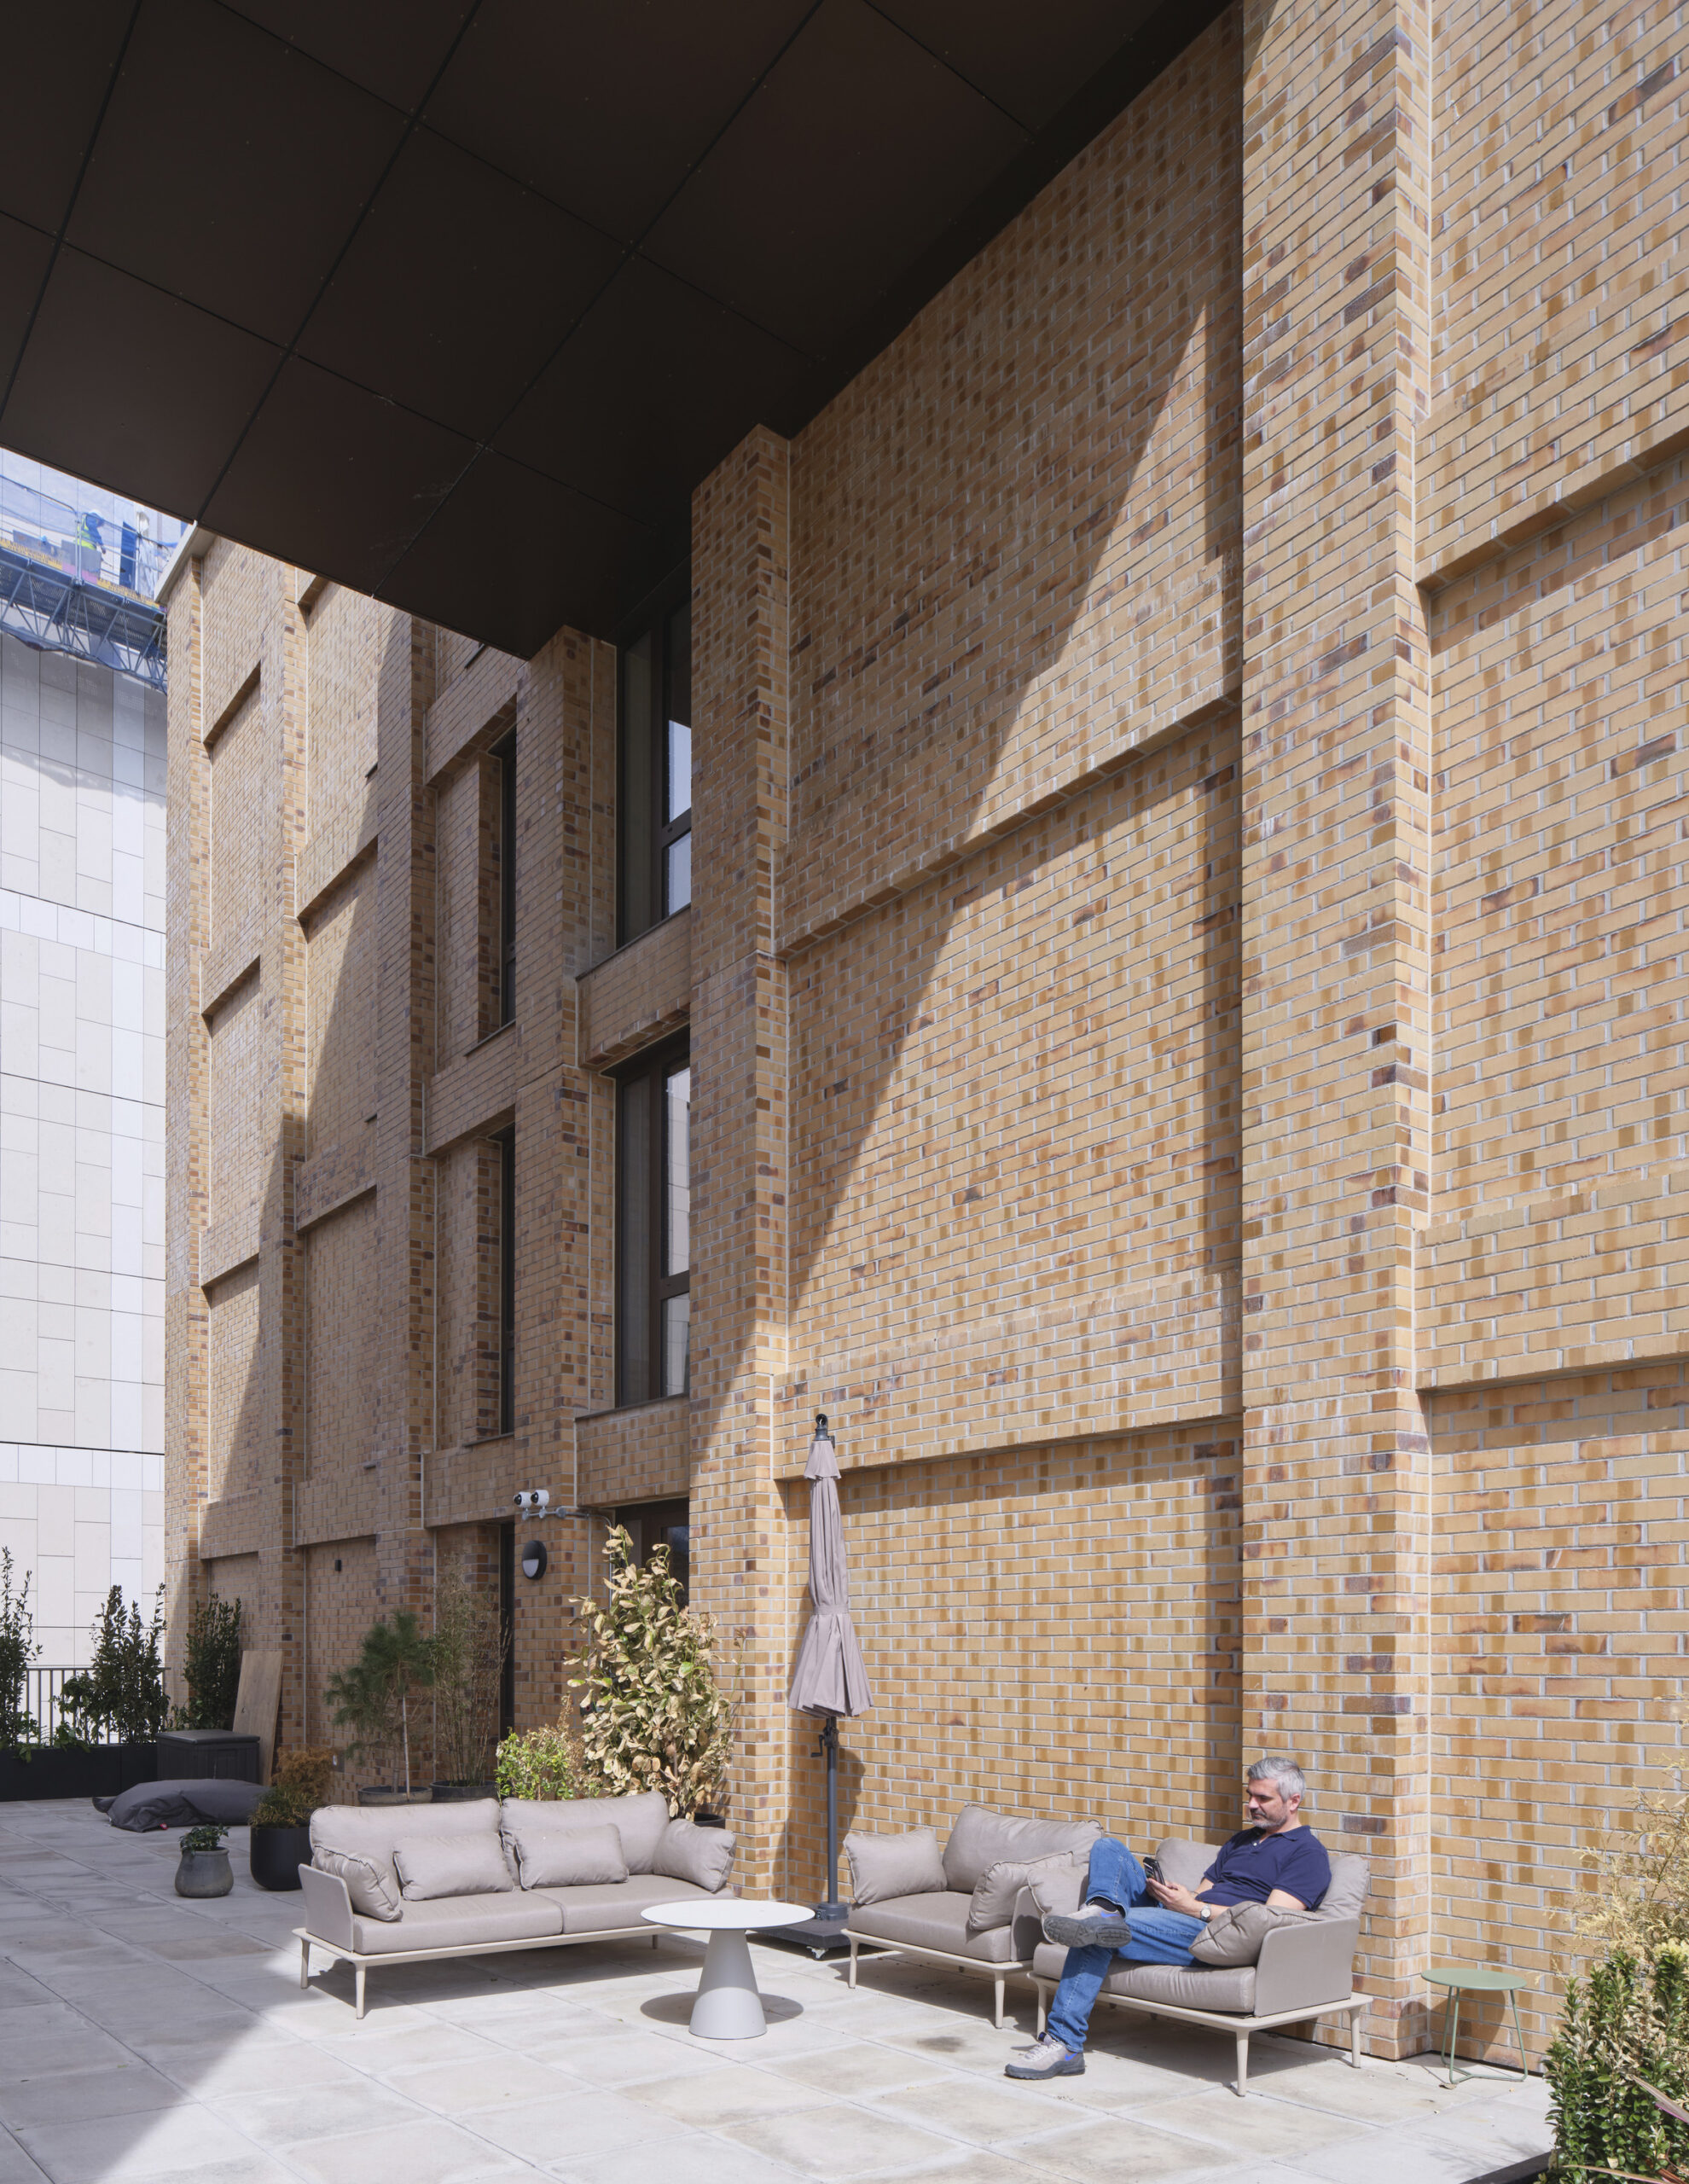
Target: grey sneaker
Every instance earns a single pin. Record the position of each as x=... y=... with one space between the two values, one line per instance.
x=1088 y=1928
x=1048 y=2060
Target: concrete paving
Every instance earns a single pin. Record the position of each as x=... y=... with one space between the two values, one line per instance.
x=141 y=2036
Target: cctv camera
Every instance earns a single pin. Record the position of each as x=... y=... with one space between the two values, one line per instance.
x=523 y=1501
x=540 y=1499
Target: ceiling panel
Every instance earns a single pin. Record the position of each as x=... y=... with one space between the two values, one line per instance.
x=334 y=478
x=357 y=39
x=131 y=389
x=444 y=229
x=877 y=148
x=509 y=544
x=229 y=169
x=671 y=381
x=603 y=108
x=1031 y=60
x=24 y=255
x=58 y=63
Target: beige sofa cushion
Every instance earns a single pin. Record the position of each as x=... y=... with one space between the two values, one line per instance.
x=460 y=1922
x=640 y=1821
x=702 y=1856
x=433 y=1866
x=371 y=1831
x=566 y=1857
x=1189 y=1986
x=884 y=1868
x=937 y=1921
x=982 y=1839
x=369 y=1886
x=605 y=1909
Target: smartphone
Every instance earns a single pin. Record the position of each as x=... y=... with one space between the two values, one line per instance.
x=1151 y=1869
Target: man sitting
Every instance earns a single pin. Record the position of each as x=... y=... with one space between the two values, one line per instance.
x=1278 y=1861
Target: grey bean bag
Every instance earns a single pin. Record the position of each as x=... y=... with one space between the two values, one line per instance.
x=181 y=1804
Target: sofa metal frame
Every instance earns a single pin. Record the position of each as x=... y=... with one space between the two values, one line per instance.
x=998 y=1974
x=328 y=1901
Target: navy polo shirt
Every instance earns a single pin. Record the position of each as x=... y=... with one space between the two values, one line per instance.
x=1254 y=1863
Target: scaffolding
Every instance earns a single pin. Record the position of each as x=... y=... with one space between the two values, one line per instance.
x=56 y=610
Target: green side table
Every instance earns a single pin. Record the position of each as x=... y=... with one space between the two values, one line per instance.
x=1460 y=1980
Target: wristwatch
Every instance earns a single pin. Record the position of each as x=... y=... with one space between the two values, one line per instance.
x=1204 y=1912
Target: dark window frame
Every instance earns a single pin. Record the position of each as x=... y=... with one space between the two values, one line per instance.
x=641 y=1202
x=653 y=686
x=505 y=1140
x=651 y=1524
x=503 y=754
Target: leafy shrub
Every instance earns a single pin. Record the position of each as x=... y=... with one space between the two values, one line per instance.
x=469 y=1647
x=208 y=1836
x=17 y=1649
x=301 y=1785
x=543 y=1763
x=212 y=1666
x=122 y=1690
x=1621 y=2034
x=652 y=1716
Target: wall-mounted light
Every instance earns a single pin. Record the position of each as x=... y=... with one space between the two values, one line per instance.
x=534 y=1558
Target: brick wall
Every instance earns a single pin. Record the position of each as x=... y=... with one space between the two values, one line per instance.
x=1185 y=993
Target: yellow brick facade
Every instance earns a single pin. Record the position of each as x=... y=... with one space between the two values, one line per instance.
x=1185 y=996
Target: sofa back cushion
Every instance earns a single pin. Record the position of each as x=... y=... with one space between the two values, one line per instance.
x=886 y=1866
x=640 y=1821
x=434 y=1866
x=371 y=1831
x=982 y=1839
x=1184 y=1863
x=1346 y=1897
x=566 y=1857
x=703 y=1855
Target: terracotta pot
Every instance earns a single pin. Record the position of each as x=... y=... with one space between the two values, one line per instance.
x=204 y=1872
x=277 y=1854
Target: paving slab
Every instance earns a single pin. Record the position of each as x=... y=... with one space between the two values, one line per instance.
x=144 y=2037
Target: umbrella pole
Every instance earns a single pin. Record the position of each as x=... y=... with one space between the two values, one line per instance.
x=832 y=1908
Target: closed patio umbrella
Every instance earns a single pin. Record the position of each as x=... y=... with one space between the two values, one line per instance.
x=829 y=1679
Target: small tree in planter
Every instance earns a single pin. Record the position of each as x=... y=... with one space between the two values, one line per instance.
x=653 y=1715
x=17 y=1649
x=373 y=1696
x=122 y=1691
x=469 y=1645
x=212 y=1666
x=281 y=1822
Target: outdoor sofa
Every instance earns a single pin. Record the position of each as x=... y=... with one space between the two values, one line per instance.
x=406 y=1884
x=1304 y=1969
x=965 y=1906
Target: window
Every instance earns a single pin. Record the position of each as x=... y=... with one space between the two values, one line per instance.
x=653 y=1228
x=503 y=755
x=652 y=1525
x=506 y=1143
x=655 y=793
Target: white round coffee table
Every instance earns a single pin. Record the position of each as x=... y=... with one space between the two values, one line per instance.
x=728 y=2006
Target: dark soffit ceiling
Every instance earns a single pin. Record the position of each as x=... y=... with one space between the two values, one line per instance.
x=457 y=301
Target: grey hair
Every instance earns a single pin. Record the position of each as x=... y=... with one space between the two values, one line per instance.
x=1289 y=1777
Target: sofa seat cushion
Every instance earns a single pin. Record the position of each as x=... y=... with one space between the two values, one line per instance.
x=1188 y=1987
x=459 y=1922
x=937 y=1921
x=601 y=1907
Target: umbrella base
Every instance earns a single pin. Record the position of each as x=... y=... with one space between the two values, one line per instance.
x=821 y=1936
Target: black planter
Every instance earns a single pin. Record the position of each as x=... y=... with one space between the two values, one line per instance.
x=99 y=1770
x=396 y=1796
x=277 y=1854
x=709 y=1819
x=463 y=1793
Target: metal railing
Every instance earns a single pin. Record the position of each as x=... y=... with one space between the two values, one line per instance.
x=41 y=1687
x=118 y=554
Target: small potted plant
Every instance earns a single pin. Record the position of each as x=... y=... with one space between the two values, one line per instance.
x=280 y=1826
x=373 y=1697
x=203 y=1869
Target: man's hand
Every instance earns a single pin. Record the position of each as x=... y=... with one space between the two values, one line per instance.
x=1172 y=1897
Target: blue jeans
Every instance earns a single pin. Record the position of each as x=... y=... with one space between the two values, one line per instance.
x=1158 y=1937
